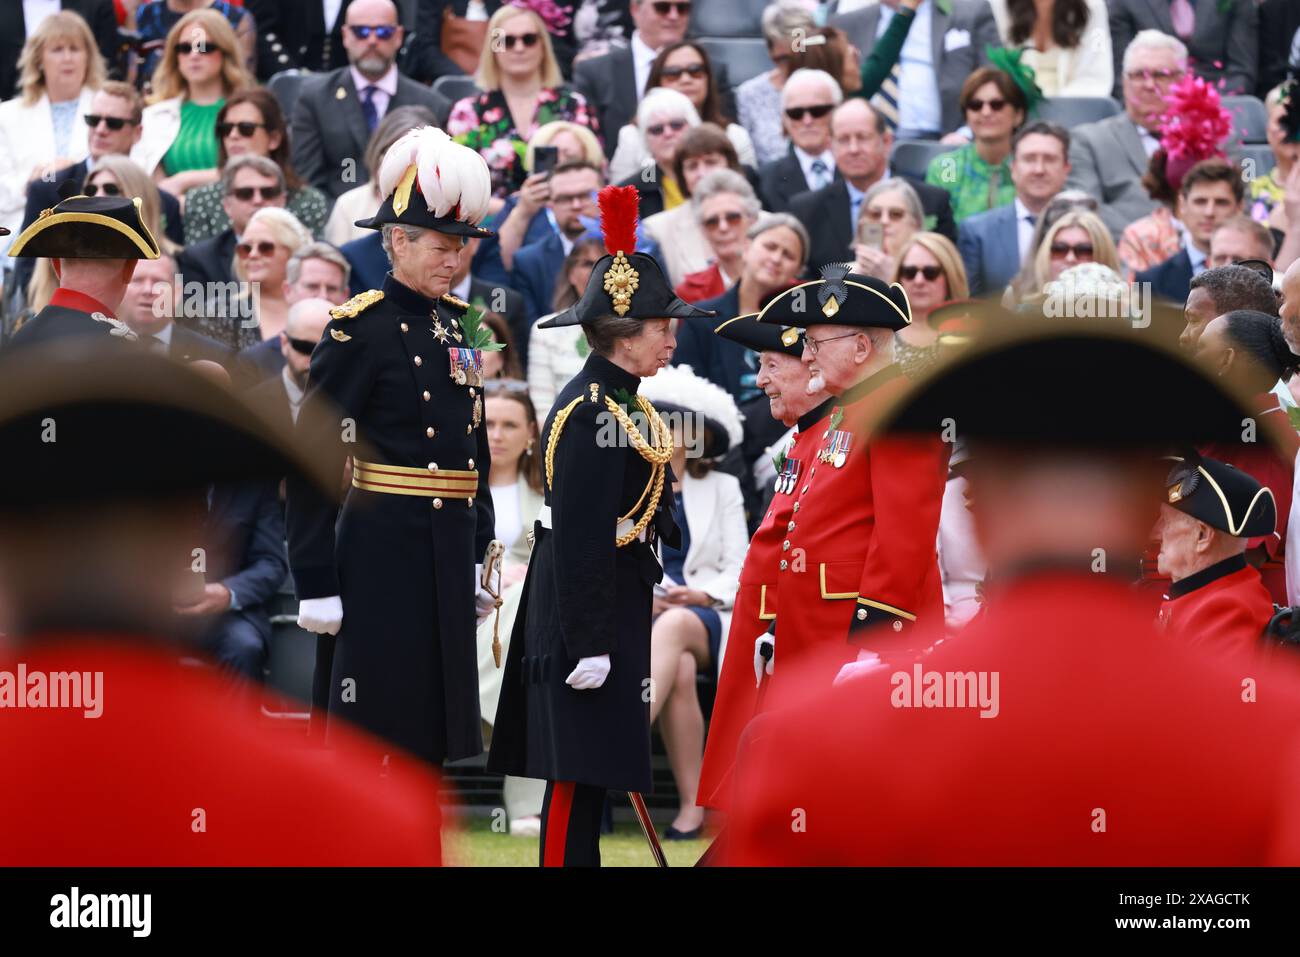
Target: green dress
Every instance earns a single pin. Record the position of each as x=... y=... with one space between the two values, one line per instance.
x=972 y=184
x=195 y=146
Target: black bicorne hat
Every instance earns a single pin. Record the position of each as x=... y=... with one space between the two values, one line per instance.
x=87 y=227
x=1222 y=496
x=762 y=336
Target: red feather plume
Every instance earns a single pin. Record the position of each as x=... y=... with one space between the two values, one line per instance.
x=618 y=209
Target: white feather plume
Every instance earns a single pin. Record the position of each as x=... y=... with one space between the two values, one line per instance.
x=448 y=173
x=679 y=385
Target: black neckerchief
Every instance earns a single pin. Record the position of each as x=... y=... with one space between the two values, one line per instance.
x=1207 y=575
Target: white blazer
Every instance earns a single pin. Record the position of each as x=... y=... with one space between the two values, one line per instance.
x=27 y=141
x=682 y=246
x=161 y=123
x=1086 y=70
x=715 y=512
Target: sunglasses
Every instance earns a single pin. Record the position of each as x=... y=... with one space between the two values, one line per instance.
x=107 y=189
x=895 y=215
x=526 y=40
x=931 y=273
x=663 y=9
x=731 y=218
x=114 y=123
x=246 y=128
x=796 y=113
x=658 y=129
x=1080 y=250
x=301 y=346
x=264 y=248
x=976 y=105
x=185 y=49
x=246 y=193
x=383 y=33
x=673 y=72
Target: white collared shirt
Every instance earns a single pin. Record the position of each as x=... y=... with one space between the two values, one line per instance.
x=919 y=107
x=642 y=57
x=331 y=10
x=807 y=159
x=165 y=335
x=1150 y=142
x=35 y=12
x=1024 y=228
x=385 y=88
x=295 y=394
x=1197 y=257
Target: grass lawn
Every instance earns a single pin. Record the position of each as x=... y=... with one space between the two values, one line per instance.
x=475 y=844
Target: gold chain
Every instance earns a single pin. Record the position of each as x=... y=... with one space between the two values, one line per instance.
x=556 y=428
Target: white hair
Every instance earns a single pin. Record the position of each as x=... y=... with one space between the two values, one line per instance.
x=1151 y=40
x=662 y=100
x=721 y=181
x=782 y=18
x=821 y=76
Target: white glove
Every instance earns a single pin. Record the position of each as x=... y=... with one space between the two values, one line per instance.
x=321 y=615
x=590 y=673
x=484 y=603
x=759 y=661
x=868 y=662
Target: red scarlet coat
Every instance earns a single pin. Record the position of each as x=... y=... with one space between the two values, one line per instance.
x=1098 y=725
x=122 y=789
x=1222 y=609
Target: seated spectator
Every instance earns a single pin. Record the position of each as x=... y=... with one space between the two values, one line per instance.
x=337 y=112
x=249 y=183
x=452 y=34
x=662 y=118
x=1108 y=158
x=1221 y=290
x=1066 y=43
x=115 y=175
x=1222 y=38
x=20 y=21
x=1076 y=237
x=261 y=265
x=1239 y=239
x=1211 y=192
x=41 y=130
x=201 y=66
x=525 y=218
x=1025 y=283
x=725 y=209
x=316 y=271
x=703 y=149
x=362 y=201
x=685 y=67
x=250 y=122
x=978 y=175
x=995 y=243
x=293 y=35
x=891 y=215
x=759 y=100
x=1267 y=191
x=930 y=271
x=155 y=19
x=515 y=480
x=807 y=99
x=692 y=606
x=150 y=307
x=573 y=188
x=556 y=355
x=522 y=90
x=280 y=395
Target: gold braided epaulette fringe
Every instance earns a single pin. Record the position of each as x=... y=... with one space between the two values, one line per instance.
x=456 y=301
x=357 y=304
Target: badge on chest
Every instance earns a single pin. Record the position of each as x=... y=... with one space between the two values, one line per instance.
x=466 y=366
x=836 y=450
x=788 y=476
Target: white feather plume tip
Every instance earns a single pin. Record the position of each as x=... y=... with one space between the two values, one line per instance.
x=449 y=174
x=680 y=386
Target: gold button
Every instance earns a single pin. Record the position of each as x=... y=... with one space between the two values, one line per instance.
x=426 y=395
x=433 y=466
x=429 y=431
x=784 y=564
x=471 y=464
x=862 y=614
x=469 y=502
x=419 y=361
x=437 y=503
x=785 y=546
x=405 y=327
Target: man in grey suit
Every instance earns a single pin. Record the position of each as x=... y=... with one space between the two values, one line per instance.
x=336 y=113
x=1109 y=158
x=1222 y=36
x=994 y=244
x=941 y=50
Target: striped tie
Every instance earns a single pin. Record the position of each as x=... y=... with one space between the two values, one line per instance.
x=885 y=101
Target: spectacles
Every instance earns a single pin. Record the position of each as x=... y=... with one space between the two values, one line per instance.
x=976 y=105
x=108 y=189
x=569 y=199
x=246 y=128
x=114 y=123
x=246 y=193
x=931 y=273
x=731 y=218
x=796 y=113
x=382 y=33
x=185 y=49
x=663 y=9
x=694 y=69
x=264 y=248
x=1080 y=250
x=302 y=346
x=1159 y=77
x=658 y=129
x=895 y=215
x=815 y=344
x=528 y=40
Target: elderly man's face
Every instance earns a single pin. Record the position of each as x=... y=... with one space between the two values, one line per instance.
x=318 y=279
x=427 y=263
x=661 y=23
x=1184 y=543
x=784 y=380
x=834 y=355
x=1229 y=245
x=1151 y=72
x=148 y=306
x=805 y=98
x=1197 y=313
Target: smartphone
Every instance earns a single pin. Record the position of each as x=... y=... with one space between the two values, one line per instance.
x=545 y=158
x=871 y=233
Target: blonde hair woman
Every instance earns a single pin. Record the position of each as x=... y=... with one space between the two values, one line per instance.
x=522 y=91
x=201 y=65
x=42 y=130
x=931 y=272
x=117 y=175
x=1077 y=237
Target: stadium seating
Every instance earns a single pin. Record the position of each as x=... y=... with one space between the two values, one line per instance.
x=1249 y=119
x=455 y=87
x=1072 y=111
x=284 y=86
x=912 y=157
x=727 y=18
x=1259 y=154
x=744 y=58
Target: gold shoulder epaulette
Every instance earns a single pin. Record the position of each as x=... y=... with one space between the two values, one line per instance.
x=357 y=304
x=456 y=301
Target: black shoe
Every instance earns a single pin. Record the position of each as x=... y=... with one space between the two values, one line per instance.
x=672 y=834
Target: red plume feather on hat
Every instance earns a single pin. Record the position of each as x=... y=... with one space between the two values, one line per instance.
x=618 y=215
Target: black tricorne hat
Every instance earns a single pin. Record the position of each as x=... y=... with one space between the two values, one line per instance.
x=1222 y=496
x=88 y=227
x=841 y=297
x=762 y=336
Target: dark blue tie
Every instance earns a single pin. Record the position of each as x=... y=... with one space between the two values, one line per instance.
x=368 y=108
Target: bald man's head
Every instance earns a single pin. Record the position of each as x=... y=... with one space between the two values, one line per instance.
x=302 y=330
x=372 y=54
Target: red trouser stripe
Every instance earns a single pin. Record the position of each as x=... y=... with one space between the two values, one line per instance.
x=557 y=823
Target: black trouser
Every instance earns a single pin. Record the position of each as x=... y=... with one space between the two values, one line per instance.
x=571 y=816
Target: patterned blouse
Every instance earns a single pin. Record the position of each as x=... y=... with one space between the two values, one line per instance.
x=1149 y=241
x=758 y=108
x=972 y=184
x=484 y=123
x=205 y=217
x=1263 y=194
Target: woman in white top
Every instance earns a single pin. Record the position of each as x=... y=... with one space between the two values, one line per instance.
x=515 y=479
x=556 y=355
x=692 y=606
x=1067 y=43
x=43 y=130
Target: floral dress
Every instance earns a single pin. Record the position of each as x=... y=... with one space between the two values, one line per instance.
x=484 y=123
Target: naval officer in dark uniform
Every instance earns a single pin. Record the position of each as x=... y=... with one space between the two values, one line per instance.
x=574 y=704
x=396 y=388
x=93 y=242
